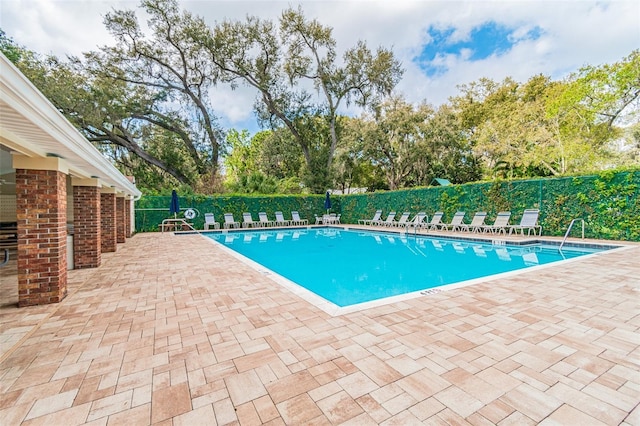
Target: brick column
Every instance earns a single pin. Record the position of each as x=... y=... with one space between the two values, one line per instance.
x=120 y=220
x=41 y=208
x=108 y=222
x=127 y=217
x=86 y=223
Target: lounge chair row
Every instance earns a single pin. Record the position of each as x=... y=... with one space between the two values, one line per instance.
x=417 y=221
x=248 y=222
x=529 y=222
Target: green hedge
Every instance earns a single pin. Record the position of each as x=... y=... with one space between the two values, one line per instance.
x=150 y=211
x=608 y=202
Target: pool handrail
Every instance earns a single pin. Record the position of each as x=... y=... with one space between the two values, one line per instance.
x=402 y=221
x=418 y=221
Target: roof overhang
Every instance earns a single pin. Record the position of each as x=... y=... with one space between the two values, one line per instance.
x=441 y=182
x=31 y=126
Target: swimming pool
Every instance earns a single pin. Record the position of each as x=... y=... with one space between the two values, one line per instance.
x=348 y=267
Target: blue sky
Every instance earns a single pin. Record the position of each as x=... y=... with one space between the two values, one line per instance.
x=483 y=41
x=442 y=44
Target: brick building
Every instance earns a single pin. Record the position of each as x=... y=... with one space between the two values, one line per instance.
x=62 y=204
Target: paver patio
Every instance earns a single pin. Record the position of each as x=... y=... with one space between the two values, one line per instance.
x=172 y=330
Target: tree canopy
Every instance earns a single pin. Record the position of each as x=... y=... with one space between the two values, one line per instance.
x=282 y=61
x=145 y=102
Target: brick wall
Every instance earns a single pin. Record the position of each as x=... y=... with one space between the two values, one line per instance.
x=108 y=242
x=41 y=210
x=86 y=224
x=120 y=220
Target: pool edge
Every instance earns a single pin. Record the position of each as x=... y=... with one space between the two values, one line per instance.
x=332 y=309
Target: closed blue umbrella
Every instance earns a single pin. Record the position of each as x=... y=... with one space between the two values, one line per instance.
x=174 y=207
x=327 y=202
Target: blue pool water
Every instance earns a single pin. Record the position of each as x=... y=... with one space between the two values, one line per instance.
x=347 y=267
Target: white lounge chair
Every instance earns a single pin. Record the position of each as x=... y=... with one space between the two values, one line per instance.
x=418 y=220
x=388 y=221
x=402 y=221
x=499 y=225
x=529 y=222
x=456 y=221
x=210 y=221
x=248 y=222
x=436 y=221
x=264 y=220
x=375 y=218
x=281 y=221
x=230 y=222
x=296 y=220
x=476 y=223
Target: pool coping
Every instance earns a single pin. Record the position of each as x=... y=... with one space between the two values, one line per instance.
x=334 y=310
x=474 y=237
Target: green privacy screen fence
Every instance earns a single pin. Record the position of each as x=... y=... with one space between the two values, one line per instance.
x=150 y=211
x=608 y=203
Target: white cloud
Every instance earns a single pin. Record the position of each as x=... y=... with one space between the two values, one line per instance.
x=574 y=33
x=55 y=26
x=233 y=101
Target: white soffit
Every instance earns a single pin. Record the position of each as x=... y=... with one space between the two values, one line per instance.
x=32 y=126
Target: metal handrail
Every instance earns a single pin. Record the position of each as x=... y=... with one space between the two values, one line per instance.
x=407 y=226
x=566 y=235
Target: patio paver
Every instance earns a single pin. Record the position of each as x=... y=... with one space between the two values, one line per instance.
x=174 y=330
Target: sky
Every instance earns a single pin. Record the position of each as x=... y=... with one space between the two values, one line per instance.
x=441 y=44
